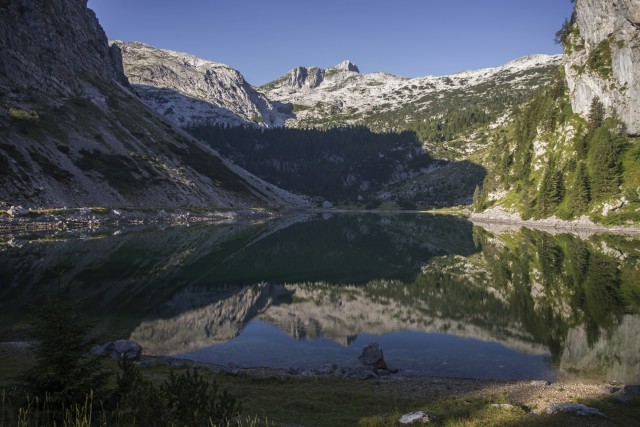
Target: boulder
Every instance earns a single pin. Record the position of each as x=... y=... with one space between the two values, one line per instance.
x=327 y=204
x=573 y=408
x=329 y=369
x=17 y=211
x=417 y=417
x=119 y=349
x=372 y=357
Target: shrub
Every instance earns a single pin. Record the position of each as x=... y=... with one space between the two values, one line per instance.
x=182 y=399
x=30 y=116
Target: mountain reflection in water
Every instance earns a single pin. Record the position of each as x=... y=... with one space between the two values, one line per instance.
x=336 y=280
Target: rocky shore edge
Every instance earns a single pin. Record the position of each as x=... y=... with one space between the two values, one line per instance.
x=502 y=219
x=17 y=218
x=532 y=396
x=535 y=397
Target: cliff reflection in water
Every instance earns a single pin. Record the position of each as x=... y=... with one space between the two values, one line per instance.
x=182 y=289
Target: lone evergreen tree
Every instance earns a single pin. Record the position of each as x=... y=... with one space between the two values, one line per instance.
x=596 y=114
x=580 y=194
x=605 y=163
x=479 y=199
x=65 y=371
x=551 y=190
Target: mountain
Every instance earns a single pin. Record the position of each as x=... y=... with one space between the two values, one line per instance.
x=186 y=89
x=73 y=133
x=355 y=166
x=341 y=95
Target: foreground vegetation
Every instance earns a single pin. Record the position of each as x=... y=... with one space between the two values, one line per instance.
x=327 y=401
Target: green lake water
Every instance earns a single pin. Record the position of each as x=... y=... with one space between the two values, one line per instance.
x=440 y=294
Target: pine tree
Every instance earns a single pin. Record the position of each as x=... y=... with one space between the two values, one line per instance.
x=551 y=190
x=580 y=194
x=596 y=114
x=604 y=155
x=478 y=199
x=65 y=371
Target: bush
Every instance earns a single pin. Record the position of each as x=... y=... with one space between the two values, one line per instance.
x=30 y=116
x=182 y=399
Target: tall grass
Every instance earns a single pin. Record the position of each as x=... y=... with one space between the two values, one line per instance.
x=18 y=410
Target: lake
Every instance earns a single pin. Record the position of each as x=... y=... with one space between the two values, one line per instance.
x=441 y=295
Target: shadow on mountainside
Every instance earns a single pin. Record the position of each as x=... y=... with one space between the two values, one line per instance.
x=350 y=165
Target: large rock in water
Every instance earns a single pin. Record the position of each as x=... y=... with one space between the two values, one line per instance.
x=603 y=59
x=373 y=358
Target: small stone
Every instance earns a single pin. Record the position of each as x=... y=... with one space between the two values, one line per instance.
x=417 y=417
x=503 y=406
x=329 y=369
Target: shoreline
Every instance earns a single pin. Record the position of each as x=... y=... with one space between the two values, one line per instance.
x=93 y=218
x=530 y=394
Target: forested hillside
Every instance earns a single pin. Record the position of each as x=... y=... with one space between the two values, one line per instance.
x=552 y=162
x=340 y=164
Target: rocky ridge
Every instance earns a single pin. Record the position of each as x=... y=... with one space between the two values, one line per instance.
x=186 y=89
x=602 y=58
x=342 y=95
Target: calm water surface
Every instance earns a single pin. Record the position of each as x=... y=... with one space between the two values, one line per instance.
x=442 y=296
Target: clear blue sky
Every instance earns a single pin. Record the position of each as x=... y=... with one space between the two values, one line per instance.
x=264 y=39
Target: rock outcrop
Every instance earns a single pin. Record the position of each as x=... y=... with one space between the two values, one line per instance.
x=186 y=89
x=61 y=42
x=309 y=77
x=602 y=58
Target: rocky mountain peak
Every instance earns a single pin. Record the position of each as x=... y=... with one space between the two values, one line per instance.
x=347 y=65
x=309 y=77
x=55 y=47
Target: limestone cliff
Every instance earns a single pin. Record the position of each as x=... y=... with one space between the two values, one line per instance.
x=602 y=58
x=187 y=89
x=53 y=46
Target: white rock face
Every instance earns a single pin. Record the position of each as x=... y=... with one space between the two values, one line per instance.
x=187 y=89
x=343 y=93
x=616 y=22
